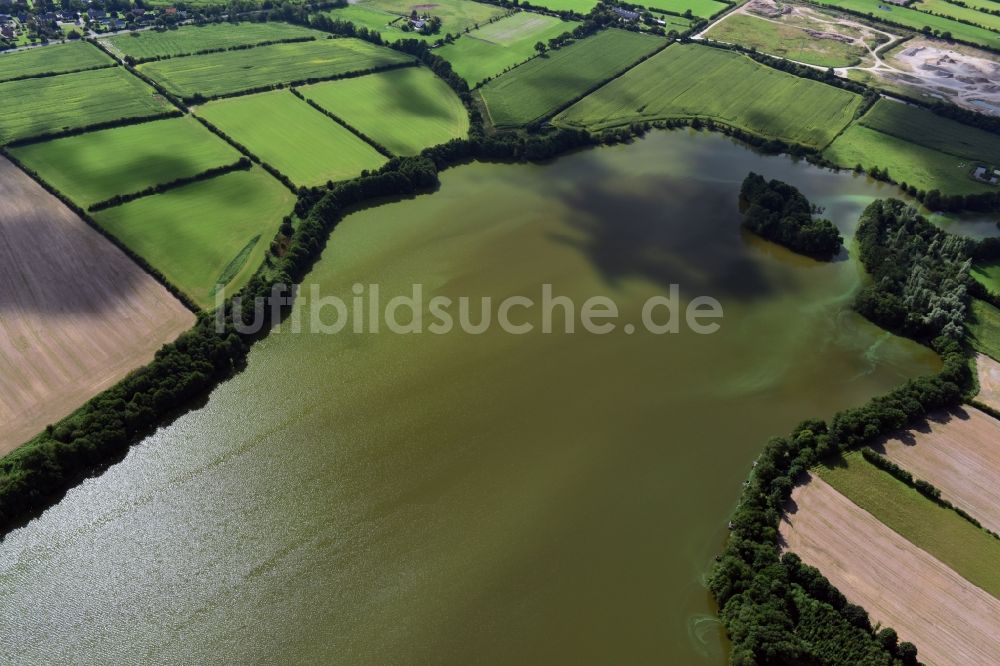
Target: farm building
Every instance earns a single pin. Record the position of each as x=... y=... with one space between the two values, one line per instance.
x=627 y=14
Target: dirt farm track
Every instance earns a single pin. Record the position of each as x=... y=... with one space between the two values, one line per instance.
x=76 y=314
x=952 y=621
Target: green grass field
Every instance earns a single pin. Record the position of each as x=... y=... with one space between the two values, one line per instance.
x=970 y=551
x=232 y=71
x=700 y=8
x=675 y=23
x=909 y=163
x=456 y=15
x=988 y=275
x=405 y=110
x=493 y=48
x=687 y=81
x=970 y=13
x=578 y=6
x=541 y=86
x=188 y=39
x=293 y=137
x=786 y=41
x=96 y=166
x=984 y=328
x=916 y=20
x=68 y=57
x=54 y=103
x=932 y=131
x=193 y=233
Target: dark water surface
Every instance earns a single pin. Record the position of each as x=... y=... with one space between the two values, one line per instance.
x=459 y=499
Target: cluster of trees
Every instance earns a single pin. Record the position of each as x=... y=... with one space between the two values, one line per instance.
x=920 y=274
x=241 y=164
x=780 y=213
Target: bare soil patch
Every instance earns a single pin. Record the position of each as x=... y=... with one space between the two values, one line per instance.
x=962 y=75
x=76 y=314
x=959 y=452
x=950 y=620
x=989 y=381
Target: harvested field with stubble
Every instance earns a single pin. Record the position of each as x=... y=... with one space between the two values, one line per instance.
x=959 y=453
x=76 y=314
x=989 y=381
x=950 y=620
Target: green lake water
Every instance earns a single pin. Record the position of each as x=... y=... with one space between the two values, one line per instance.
x=458 y=499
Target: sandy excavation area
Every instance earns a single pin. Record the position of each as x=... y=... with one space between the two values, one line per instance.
x=989 y=381
x=959 y=452
x=962 y=75
x=76 y=314
x=950 y=620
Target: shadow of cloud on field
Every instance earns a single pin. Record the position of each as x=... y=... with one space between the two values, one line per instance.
x=51 y=262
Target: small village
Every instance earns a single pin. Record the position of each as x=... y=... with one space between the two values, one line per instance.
x=21 y=26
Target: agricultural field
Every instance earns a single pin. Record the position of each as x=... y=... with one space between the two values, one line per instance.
x=216 y=74
x=901 y=586
x=689 y=80
x=578 y=6
x=76 y=314
x=488 y=51
x=403 y=110
x=917 y=20
x=969 y=14
x=193 y=38
x=970 y=551
x=456 y=15
x=542 y=86
x=96 y=166
x=984 y=328
x=194 y=233
x=927 y=129
x=786 y=41
x=957 y=452
x=54 y=103
x=988 y=371
x=294 y=138
x=699 y=8
x=924 y=168
x=55 y=59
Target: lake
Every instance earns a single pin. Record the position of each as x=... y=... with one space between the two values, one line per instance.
x=459 y=498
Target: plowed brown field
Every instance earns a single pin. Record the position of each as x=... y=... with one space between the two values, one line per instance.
x=76 y=314
x=989 y=380
x=950 y=620
x=959 y=452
